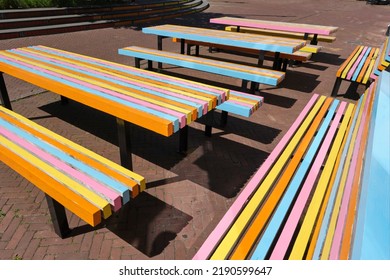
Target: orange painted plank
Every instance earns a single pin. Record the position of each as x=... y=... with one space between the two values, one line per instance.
x=347 y=61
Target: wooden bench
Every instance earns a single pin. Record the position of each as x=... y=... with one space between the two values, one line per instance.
x=280 y=61
x=301 y=202
x=357 y=68
x=253 y=74
x=363 y=65
x=72 y=177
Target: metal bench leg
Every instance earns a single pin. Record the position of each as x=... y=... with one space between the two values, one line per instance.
x=58 y=217
x=4 y=93
x=183 y=140
x=196 y=50
x=254 y=87
x=314 y=41
x=182 y=46
x=336 y=86
x=124 y=143
x=209 y=123
x=224 y=116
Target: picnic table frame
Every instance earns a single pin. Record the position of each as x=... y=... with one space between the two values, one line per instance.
x=219 y=37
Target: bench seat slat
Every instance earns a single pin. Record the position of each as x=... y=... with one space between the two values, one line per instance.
x=242 y=104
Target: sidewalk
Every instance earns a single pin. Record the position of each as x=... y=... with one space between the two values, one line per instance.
x=185 y=196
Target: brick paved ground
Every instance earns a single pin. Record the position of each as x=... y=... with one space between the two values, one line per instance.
x=185 y=196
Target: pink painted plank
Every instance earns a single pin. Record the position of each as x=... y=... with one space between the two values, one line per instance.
x=295 y=214
x=356 y=63
x=336 y=242
x=219 y=231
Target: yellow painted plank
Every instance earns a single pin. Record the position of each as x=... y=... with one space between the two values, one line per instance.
x=235 y=231
x=351 y=62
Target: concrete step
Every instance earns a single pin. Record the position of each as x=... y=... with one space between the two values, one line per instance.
x=24 y=27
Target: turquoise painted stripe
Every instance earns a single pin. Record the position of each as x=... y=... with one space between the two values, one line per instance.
x=134 y=71
x=202 y=67
x=372 y=237
x=114 y=185
x=174 y=120
x=361 y=63
x=332 y=197
x=217 y=40
x=293 y=189
x=235 y=109
x=110 y=79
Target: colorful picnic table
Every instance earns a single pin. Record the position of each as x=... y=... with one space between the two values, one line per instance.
x=220 y=37
x=156 y=102
x=306 y=29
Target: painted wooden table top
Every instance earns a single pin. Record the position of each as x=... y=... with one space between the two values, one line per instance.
x=276 y=25
x=244 y=40
x=154 y=101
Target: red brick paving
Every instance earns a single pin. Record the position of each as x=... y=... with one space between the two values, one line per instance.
x=186 y=195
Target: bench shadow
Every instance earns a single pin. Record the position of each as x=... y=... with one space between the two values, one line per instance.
x=146 y=223
x=162 y=151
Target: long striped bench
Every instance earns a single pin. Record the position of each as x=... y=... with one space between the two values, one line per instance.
x=253 y=74
x=72 y=177
x=280 y=63
x=301 y=202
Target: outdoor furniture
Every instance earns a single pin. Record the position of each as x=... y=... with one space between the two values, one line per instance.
x=156 y=102
x=247 y=73
x=363 y=65
x=301 y=202
x=71 y=176
x=305 y=29
x=261 y=44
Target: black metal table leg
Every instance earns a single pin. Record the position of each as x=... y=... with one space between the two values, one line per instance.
x=183 y=141
x=4 y=93
x=159 y=47
x=182 y=46
x=314 y=41
x=124 y=143
x=58 y=217
x=261 y=57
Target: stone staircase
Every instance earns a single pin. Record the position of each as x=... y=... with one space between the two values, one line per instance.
x=34 y=22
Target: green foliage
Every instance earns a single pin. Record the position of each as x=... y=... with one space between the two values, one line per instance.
x=16 y=4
